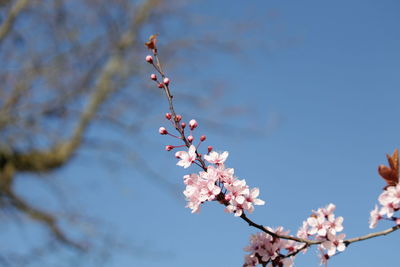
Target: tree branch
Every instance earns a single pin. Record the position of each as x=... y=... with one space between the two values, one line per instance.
x=8 y=23
x=59 y=154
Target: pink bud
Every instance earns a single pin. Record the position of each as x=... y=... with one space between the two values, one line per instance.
x=162 y=130
x=168 y=116
x=183 y=125
x=149 y=59
x=193 y=124
x=190 y=138
x=153 y=77
x=209 y=148
x=202 y=138
x=178 y=118
x=166 y=81
x=169 y=148
x=160 y=85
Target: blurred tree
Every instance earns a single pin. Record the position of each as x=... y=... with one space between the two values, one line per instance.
x=62 y=61
x=65 y=65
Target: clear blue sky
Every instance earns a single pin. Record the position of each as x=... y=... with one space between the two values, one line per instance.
x=319 y=80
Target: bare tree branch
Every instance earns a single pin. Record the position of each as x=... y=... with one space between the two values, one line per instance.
x=46 y=160
x=8 y=23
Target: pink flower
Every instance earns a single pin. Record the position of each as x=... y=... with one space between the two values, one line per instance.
x=323 y=257
x=269 y=249
x=390 y=200
x=335 y=225
x=374 y=217
x=250 y=260
x=334 y=242
x=241 y=198
x=193 y=124
x=149 y=59
x=186 y=158
x=318 y=225
x=216 y=158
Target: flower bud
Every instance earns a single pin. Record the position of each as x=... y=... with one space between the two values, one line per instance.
x=162 y=131
x=149 y=59
x=193 y=124
x=190 y=138
x=202 y=138
x=160 y=85
x=209 y=148
x=153 y=77
x=166 y=81
x=169 y=148
x=178 y=118
x=183 y=125
x=168 y=116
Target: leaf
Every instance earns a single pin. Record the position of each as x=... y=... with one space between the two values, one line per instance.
x=151 y=44
x=390 y=174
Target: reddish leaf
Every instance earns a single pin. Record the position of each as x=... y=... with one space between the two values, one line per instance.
x=391 y=174
x=151 y=44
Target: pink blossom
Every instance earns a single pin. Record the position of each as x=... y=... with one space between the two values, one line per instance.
x=317 y=225
x=390 y=200
x=333 y=243
x=193 y=124
x=162 y=131
x=250 y=260
x=335 y=225
x=269 y=248
x=374 y=217
x=149 y=59
x=186 y=158
x=327 y=212
x=216 y=158
x=323 y=257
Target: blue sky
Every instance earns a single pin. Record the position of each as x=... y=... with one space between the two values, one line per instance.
x=318 y=86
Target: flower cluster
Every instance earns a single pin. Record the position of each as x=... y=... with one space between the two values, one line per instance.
x=322 y=226
x=390 y=203
x=267 y=249
x=216 y=183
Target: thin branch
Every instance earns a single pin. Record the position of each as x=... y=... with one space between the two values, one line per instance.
x=8 y=23
x=42 y=217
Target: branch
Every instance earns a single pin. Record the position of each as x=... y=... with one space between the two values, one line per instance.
x=11 y=16
x=221 y=197
x=59 y=154
x=43 y=217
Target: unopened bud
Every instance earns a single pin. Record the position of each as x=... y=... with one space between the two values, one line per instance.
x=162 y=131
x=153 y=77
x=169 y=148
x=190 y=138
x=178 y=118
x=168 y=116
x=183 y=125
x=193 y=124
x=166 y=81
x=202 y=138
x=209 y=148
x=160 y=85
x=149 y=59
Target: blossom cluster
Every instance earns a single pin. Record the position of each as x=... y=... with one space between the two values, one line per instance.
x=322 y=226
x=267 y=249
x=217 y=183
x=390 y=203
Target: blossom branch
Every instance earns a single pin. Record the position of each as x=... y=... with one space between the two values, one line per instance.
x=218 y=184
